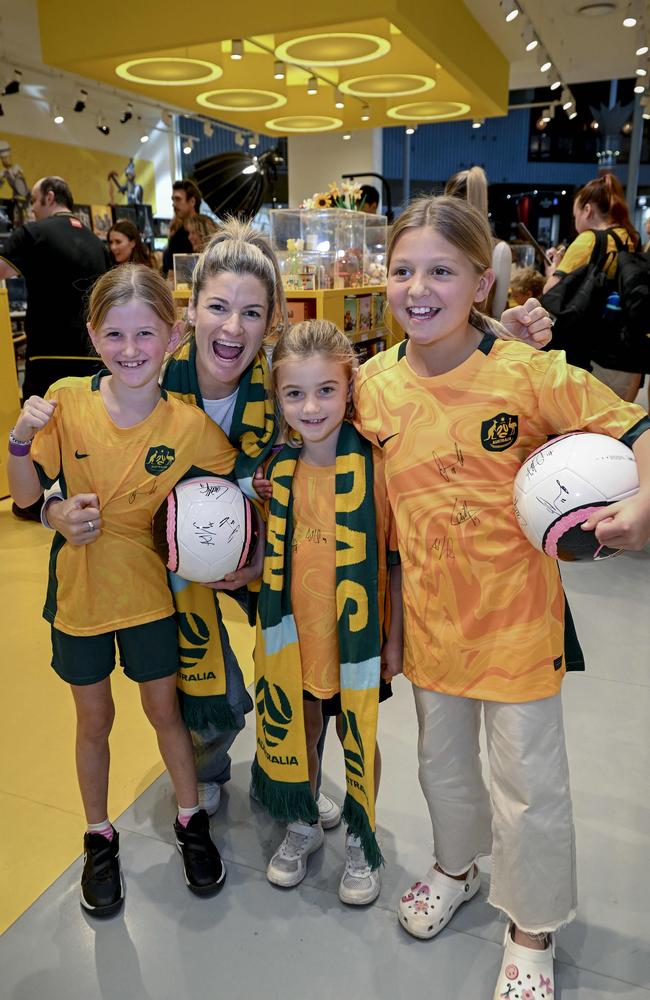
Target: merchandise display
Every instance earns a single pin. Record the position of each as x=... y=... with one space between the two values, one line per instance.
x=329 y=248
x=184 y=264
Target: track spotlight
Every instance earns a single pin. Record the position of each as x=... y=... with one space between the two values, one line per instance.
x=57 y=116
x=127 y=114
x=641 y=72
x=640 y=88
x=338 y=99
x=410 y=130
x=279 y=71
x=13 y=84
x=102 y=126
x=629 y=21
x=546 y=115
x=237 y=50
x=312 y=85
x=346 y=136
x=208 y=130
x=556 y=84
x=510 y=9
x=641 y=44
x=239 y=139
x=530 y=41
x=574 y=114
x=188 y=145
x=144 y=137
x=80 y=104
x=567 y=100
x=365 y=113
x=544 y=63
x=253 y=141
x=478 y=122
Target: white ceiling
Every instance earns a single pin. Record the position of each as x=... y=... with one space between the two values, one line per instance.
x=585 y=38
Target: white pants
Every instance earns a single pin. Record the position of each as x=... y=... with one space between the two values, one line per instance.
x=525 y=821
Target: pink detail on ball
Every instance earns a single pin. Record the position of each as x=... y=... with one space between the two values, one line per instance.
x=563 y=524
x=172 y=551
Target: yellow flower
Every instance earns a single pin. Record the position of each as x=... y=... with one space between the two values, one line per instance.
x=323 y=201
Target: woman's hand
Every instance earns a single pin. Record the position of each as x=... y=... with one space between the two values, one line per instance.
x=530 y=323
x=73 y=518
x=34 y=416
x=622 y=525
x=391 y=658
x=250 y=573
x=555 y=255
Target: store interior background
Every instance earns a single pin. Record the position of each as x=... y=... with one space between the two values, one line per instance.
x=37 y=790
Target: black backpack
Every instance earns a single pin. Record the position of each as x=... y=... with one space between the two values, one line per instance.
x=603 y=319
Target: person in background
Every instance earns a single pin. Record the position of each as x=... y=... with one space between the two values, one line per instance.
x=600 y=204
x=472 y=185
x=126 y=246
x=186 y=200
x=526 y=283
x=646 y=246
x=369 y=200
x=199 y=230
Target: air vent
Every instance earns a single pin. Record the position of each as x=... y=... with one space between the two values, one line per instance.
x=593 y=8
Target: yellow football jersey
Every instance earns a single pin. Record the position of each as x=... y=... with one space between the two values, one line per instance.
x=483 y=610
x=118 y=580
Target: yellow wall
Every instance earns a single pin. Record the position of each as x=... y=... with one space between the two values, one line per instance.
x=85 y=170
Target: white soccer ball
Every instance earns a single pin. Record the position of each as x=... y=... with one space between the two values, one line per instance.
x=205 y=529
x=562 y=483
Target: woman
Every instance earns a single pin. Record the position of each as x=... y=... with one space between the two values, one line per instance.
x=222 y=368
x=472 y=186
x=126 y=246
x=600 y=204
x=200 y=229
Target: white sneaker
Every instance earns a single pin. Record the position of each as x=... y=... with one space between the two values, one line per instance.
x=359 y=884
x=209 y=796
x=288 y=866
x=328 y=811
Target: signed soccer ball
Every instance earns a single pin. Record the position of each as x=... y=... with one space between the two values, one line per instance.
x=205 y=529
x=562 y=483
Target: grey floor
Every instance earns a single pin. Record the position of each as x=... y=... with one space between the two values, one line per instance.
x=254 y=939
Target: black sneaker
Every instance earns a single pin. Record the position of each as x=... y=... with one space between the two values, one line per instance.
x=102 y=891
x=202 y=865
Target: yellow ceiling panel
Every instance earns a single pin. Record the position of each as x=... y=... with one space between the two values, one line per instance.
x=401 y=58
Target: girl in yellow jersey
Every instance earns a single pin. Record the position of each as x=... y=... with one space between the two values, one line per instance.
x=121 y=437
x=454 y=412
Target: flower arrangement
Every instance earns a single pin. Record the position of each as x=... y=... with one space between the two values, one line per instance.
x=347 y=195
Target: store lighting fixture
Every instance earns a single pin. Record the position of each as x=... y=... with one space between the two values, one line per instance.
x=279 y=71
x=641 y=71
x=410 y=130
x=627 y=128
x=544 y=63
x=556 y=84
x=208 y=130
x=567 y=100
x=574 y=114
x=530 y=41
x=594 y=125
x=102 y=126
x=365 y=113
x=188 y=145
x=640 y=88
x=312 y=85
x=253 y=141
x=57 y=116
x=510 y=9
x=239 y=138
x=127 y=114
x=167 y=118
x=338 y=99
x=346 y=136
x=478 y=122
x=80 y=104
x=144 y=137
x=546 y=115
x=237 y=50
x=629 y=21
x=641 y=44
x=13 y=83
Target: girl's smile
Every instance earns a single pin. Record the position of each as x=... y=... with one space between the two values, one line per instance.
x=314 y=395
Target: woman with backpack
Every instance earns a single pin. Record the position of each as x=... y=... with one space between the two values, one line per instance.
x=599 y=205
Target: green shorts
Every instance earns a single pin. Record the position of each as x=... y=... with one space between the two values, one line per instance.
x=147 y=653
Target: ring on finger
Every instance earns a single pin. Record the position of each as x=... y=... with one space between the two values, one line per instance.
x=90 y=525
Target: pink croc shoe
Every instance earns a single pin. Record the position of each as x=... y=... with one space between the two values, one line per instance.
x=429 y=905
x=525 y=974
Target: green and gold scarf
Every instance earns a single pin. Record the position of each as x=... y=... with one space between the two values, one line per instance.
x=202 y=675
x=280 y=772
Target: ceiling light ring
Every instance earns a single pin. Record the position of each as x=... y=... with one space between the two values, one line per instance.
x=282 y=51
x=123 y=70
x=204 y=99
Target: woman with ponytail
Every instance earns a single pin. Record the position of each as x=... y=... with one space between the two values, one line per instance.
x=600 y=204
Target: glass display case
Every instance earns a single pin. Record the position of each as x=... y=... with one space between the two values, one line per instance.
x=184 y=264
x=328 y=248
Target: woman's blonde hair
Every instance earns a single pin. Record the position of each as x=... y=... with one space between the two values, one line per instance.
x=238 y=248
x=128 y=283
x=527 y=281
x=203 y=226
x=460 y=224
x=472 y=186
x=303 y=341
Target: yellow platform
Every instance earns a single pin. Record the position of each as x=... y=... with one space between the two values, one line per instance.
x=40 y=805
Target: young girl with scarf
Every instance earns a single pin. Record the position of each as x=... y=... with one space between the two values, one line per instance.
x=321 y=623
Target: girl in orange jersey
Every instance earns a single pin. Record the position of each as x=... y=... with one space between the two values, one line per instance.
x=119 y=436
x=455 y=412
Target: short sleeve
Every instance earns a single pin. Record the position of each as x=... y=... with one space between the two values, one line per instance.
x=214 y=452
x=17 y=250
x=46 y=448
x=578 y=253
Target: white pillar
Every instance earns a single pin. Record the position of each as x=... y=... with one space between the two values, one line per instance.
x=317 y=160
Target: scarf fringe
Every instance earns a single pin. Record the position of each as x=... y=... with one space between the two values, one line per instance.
x=286 y=801
x=198 y=713
x=358 y=825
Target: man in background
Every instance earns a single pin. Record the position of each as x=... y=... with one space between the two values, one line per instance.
x=369 y=200
x=186 y=200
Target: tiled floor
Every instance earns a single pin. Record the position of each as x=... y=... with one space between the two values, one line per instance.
x=254 y=939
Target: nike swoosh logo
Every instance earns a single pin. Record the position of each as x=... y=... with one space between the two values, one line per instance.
x=80 y=454
x=381 y=442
